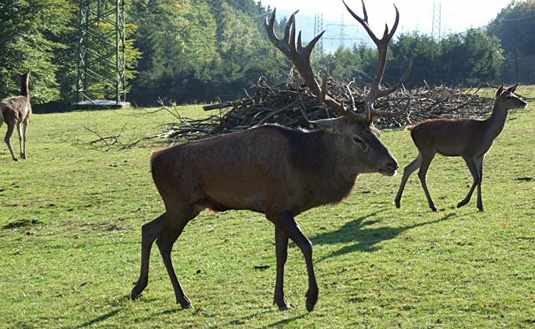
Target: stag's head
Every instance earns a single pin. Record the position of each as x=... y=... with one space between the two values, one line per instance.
x=506 y=99
x=354 y=131
x=23 y=77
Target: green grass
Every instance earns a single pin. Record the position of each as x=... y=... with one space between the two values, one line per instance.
x=70 y=218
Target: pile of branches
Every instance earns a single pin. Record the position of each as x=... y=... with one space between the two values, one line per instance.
x=291 y=104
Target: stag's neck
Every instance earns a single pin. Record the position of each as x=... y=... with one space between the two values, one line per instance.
x=25 y=89
x=496 y=121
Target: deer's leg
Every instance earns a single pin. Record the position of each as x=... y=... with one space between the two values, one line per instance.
x=24 y=139
x=415 y=164
x=281 y=248
x=479 y=164
x=173 y=228
x=149 y=232
x=7 y=139
x=19 y=131
x=424 y=166
x=471 y=163
x=285 y=223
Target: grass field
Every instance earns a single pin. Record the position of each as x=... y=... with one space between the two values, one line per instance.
x=70 y=218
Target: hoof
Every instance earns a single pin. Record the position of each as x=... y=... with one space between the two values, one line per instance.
x=283 y=305
x=312 y=299
x=185 y=303
x=137 y=290
x=398 y=205
x=134 y=295
x=462 y=203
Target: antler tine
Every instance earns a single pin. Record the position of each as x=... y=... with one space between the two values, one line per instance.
x=300 y=57
x=363 y=21
x=382 y=52
x=398 y=84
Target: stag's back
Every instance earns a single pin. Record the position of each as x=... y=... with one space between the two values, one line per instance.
x=252 y=169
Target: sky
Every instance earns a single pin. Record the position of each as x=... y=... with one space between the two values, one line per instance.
x=415 y=15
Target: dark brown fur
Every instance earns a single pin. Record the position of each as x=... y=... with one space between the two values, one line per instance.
x=272 y=170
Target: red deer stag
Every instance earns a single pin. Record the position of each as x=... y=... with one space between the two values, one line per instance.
x=269 y=169
x=16 y=111
x=469 y=139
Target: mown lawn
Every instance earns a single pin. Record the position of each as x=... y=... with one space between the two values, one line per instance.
x=70 y=218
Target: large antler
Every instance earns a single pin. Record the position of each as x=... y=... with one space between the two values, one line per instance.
x=382 y=47
x=300 y=57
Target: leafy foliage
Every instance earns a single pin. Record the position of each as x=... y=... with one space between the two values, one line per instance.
x=514 y=27
x=31 y=34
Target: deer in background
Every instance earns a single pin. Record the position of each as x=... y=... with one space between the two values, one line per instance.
x=16 y=111
x=469 y=139
x=277 y=171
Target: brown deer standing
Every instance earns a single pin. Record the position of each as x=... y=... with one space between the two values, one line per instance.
x=16 y=111
x=277 y=171
x=469 y=139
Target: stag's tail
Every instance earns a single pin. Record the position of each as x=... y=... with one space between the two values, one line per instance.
x=1 y=113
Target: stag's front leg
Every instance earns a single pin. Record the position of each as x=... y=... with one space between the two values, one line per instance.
x=426 y=161
x=281 y=249
x=415 y=164
x=24 y=139
x=285 y=223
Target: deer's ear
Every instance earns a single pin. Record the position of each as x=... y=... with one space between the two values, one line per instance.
x=512 y=88
x=499 y=91
x=331 y=126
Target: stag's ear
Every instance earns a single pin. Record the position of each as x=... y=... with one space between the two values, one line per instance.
x=331 y=126
x=512 y=88
x=17 y=72
x=499 y=91
x=376 y=118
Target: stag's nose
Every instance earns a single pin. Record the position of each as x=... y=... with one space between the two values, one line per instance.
x=390 y=168
x=393 y=166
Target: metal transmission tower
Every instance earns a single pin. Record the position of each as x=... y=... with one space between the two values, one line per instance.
x=436 y=28
x=101 y=53
x=318 y=28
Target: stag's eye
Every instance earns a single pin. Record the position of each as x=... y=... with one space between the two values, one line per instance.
x=360 y=142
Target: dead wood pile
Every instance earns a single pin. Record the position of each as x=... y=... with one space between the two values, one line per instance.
x=292 y=105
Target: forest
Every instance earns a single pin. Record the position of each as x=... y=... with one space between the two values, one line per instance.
x=196 y=51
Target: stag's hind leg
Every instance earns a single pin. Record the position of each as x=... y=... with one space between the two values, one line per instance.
x=415 y=164
x=7 y=139
x=149 y=232
x=172 y=230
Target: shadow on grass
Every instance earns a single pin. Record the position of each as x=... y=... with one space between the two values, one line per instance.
x=366 y=239
x=284 y=322
x=100 y=318
x=21 y=223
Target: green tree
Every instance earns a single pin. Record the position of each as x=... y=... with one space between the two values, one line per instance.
x=514 y=26
x=32 y=33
